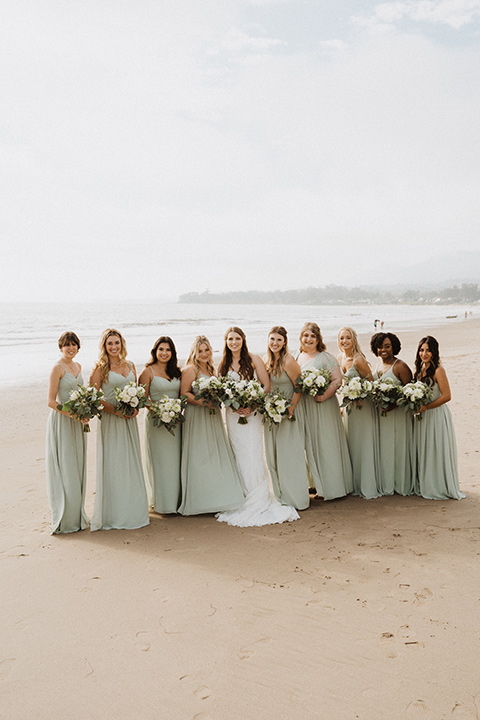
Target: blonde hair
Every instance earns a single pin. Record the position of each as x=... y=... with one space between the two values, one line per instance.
x=275 y=365
x=193 y=357
x=313 y=327
x=103 y=362
x=356 y=345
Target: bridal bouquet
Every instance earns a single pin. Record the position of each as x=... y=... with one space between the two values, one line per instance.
x=130 y=398
x=243 y=394
x=385 y=392
x=354 y=391
x=416 y=394
x=168 y=412
x=275 y=408
x=210 y=389
x=313 y=382
x=84 y=403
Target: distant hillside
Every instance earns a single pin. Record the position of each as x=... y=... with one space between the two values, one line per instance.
x=466 y=293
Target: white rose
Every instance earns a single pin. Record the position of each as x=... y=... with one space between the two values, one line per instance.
x=134 y=402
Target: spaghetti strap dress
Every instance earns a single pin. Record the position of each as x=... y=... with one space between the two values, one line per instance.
x=361 y=426
x=65 y=459
x=435 y=454
x=163 y=452
x=396 y=446
x=121 y=496
x=285 y=453
x=326 y=446
x=209 y=476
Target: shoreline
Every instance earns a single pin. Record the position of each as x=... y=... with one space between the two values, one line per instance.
x=341 y=614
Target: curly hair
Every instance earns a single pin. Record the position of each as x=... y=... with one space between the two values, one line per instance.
x=313 y=327
x=247 y=370
x=377 y=340
x=193 y=356
x=172 y=369
x=427 y=376
x=103 y=362
x=275 y=365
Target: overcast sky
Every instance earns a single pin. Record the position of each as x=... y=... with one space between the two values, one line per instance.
x=153 y=147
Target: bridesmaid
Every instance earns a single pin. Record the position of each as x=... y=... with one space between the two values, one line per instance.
x=396 y=428
x=326 y=446
x=209 y=476
x=121 y=497
x=285 y=443
x=160 y=377
x=361 y=424
x=65 y=454
x=435 y=450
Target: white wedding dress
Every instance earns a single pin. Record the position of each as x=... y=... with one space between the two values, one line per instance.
x=260 y=506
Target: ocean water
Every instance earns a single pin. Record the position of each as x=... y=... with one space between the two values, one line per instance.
x=29 y=331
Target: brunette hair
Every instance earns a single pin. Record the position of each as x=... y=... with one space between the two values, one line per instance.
x=68 y=338
x=193 y=357
x=275 y=366
x=173 y=371
x=247 y=370
x=103 y=362
x=434 y=363
x=377 y=340
x=356 y=345
x=313 y=327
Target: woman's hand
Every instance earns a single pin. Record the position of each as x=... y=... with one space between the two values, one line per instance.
x=244 y=412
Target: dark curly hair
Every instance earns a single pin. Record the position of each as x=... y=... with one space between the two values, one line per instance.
x=377 y=341
x=434 y=363
x=247 y=370
x=172 y=369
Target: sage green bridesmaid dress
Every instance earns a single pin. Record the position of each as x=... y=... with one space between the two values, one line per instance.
x=163 y=453
x=285 y=453
x=396 y=446
x=120 y=496
x=326 y=446
x=210 y=479
x=435 y=454
x=361 y=426
x=66 y=469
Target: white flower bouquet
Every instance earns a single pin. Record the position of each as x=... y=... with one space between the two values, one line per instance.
x=354 y=391
x=313 y=382
x=168 y=412
x=386 y=392
x=275 y=408
x=245 y=394
x=414 y=395
x=210 y=389
x=84 y=403
x=130 y=398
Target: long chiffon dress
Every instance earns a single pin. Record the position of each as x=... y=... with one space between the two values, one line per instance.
x=435 y=454
x=361 y=426
x=260 y=506
x=209 y=475
x=163 y=453
x=65 y=459
x=326 y=446
x=121 y=496
x=396 y=446
x=285 y=453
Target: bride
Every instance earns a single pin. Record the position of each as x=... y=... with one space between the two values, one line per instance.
x=260 y=506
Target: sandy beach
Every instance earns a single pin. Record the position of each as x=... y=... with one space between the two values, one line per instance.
x=361 y=609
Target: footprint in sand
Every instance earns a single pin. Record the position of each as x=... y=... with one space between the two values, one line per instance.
x=203 y=693
x=462 y=712
x=419 y=709
x=422 y=595
x=141 y=642
x=249 y=650
x=6 y=667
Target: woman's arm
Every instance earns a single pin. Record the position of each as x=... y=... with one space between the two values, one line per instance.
x=363 y=368
x=402 y=372
x=440 y=377
x=292 y=368
x=188 y=376
x=261 y=371
x=335 y=383
x=95 y=381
